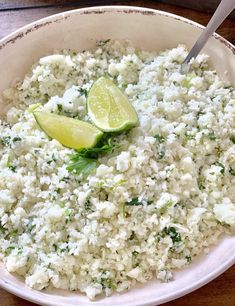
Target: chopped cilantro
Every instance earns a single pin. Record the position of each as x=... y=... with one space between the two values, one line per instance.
x=83 y=92
x=157 y=237
x=6 y=140
x=68 y=212
x=200 y=113
x=211 y=136
x=12 y=168
x=221 y=166
x=161 y=154
x=134 y=202
x=232 y=138
x=189 y=77
x=229 y=87
x=108 y=283
x=159 y=138
x=13 y=233
x=200 y=183
x=135 y=253
x=171 y=231
x=88 y=206
x=59 y=107
x=10 y=165
x=85 y=160
x=166 y=206
x=189 y=258
x=65 y=179
x=232 y=172
x=101 y=43
x=189 y=136
x=180 y=204
x=30 y=225
x=17 y=138
x=8 y=250
x=2 y=229
x=58 y=190
x=82 y=164
x=52 y=159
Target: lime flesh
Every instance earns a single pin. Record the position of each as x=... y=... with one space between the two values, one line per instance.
x=69 y=132
x=108 y=108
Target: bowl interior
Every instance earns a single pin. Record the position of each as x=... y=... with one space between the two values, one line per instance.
x=147 y=29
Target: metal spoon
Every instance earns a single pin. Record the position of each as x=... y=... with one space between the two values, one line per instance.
x=223 y=10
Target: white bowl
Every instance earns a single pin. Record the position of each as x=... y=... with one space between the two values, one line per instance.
x=148 y=29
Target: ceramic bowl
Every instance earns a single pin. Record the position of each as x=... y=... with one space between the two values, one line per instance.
x=148 y=29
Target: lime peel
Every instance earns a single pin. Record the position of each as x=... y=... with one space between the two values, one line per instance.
x=70 y=132
x=33 y=107
x=108 y=108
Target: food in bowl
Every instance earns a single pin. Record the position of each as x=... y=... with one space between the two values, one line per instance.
x=162 y=193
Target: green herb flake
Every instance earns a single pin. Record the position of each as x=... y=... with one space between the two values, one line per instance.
x=16 y=139
x=160 y=138
x=201 y=184
x=88 y=206
x=222 y=171
x=53 y=159
x=189 y=77
x=30 y=225
x=83 y=92
x=189 y=136
x=108 y=283
x=200 y=113
x=85 y=160
x=9 y=250
x=134 y=202
x=157 y=237
x=65 y=179
x=171 y=231
x=188 y=258
x=229 y=87
x=82 y=164
x=124 y=210
x=232 y=172
x=164 y=209
x=232 y=138
x=58 y=190
x=68 y=212
x=5 y=141
x=180 y=204
x=13 y=233
x=135 y=253
x=2 y=229
x=10 y=165
x=12 y=168
x=101 y=43
x=211 y=136
x=161 y=154
x=59 y=107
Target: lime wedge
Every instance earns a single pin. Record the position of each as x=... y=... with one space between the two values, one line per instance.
x=69 y=132
x=108 y=107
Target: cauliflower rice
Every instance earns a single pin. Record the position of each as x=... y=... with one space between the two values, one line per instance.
x=69 y=231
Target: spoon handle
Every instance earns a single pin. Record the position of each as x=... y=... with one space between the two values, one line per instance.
x=223 y=10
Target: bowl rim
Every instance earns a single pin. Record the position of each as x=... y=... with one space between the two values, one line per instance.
x=35 y=25
x=32 y=26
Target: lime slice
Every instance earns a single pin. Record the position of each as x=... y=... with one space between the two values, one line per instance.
x=108 y=107
x=69 y=132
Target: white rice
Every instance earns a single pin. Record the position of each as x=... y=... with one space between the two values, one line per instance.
x=67 y=231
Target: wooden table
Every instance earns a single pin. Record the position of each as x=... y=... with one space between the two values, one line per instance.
x=14 y=14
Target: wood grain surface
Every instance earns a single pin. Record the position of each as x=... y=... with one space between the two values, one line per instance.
x=14 y=14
